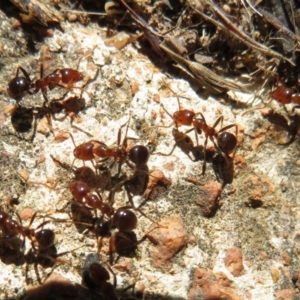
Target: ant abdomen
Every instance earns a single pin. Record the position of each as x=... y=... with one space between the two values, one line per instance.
x=227 y=142
x=139 y=155
x=124 y=220
x=18 y=87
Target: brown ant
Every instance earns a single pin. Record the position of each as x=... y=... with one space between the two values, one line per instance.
x=19 y=86
x=42 y=241
x=43 y=238
x=88 y=151
x=223 y=141
x=285 y=95
x=81 y=192
x=96 y=276
x=123 y=219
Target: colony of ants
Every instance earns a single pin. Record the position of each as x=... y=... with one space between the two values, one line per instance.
x=116 y=224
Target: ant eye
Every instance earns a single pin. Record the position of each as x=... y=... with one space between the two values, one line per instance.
x=18 y=87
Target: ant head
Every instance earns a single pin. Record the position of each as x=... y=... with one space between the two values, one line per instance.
x=227 y=142
x=79 y=190
x=139 y=155
x=18 y=87
x=183 y=117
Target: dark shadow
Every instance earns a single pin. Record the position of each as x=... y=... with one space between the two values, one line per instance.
x=81 y=217
x=11 y=251
x=22 y=119
x=223 y=168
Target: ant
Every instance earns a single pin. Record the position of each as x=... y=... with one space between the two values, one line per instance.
x=81 y=192
x=223 y=141
x=123 y=219
x=285 y=95
x=42 y=241
x=95 y=275
x=87 y=151
x=19 y=86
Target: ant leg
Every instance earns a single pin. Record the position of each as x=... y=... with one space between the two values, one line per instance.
x=167 y=154
x=167 y=114
x=26 y=273
x=120 y=132
x=220 y=151
x=24 y=72
x=37 y=273
x=228 y=127
x=34 y=126
x=204 y=152
x=220 y=119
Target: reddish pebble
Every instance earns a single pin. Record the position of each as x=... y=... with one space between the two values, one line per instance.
x=168 y=240
x=209 y=198
x=234 y=261
x=26 y=214
x=206 y=286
